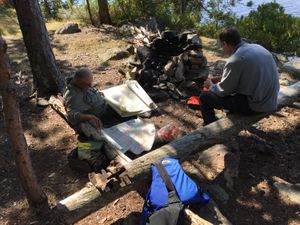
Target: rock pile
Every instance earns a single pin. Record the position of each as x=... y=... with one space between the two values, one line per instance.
x=141 y=33
x=169 y=66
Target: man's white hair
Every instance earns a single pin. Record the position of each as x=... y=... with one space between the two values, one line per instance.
x=82 y=73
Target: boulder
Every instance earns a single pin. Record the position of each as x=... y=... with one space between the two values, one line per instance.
x=68 y=28
x=115 y=53
x=292 y=66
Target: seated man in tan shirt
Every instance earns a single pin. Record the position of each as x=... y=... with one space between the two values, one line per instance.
x=82 y=102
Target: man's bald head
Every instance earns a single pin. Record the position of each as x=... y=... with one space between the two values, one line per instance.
x=82 y=73
x=83 y=78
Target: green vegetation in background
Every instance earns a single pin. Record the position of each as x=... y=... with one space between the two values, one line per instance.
x=8 y=19
x=272 y=27
x=169 y=13
x=218 y=15
x=269 y=25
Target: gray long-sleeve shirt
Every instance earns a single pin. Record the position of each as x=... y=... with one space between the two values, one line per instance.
x=251 y=71
x=88 y=102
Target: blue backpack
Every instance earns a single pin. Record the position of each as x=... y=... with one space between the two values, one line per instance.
x=170 y=190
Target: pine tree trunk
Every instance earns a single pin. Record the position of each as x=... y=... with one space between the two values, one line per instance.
x=47 y=77
x=14 y=130
x=90 y=14
x=104 y=12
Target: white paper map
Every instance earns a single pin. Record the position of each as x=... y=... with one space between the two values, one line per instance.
x=133 y=135
x=129 y=99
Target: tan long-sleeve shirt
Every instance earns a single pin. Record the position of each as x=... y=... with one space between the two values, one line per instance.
x=87 y=102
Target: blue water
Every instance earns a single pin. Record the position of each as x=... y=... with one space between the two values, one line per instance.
x=291 y=6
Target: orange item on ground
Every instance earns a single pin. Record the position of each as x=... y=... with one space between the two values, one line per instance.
x=193 y=100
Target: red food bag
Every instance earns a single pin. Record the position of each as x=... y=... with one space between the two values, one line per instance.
x=168 y=133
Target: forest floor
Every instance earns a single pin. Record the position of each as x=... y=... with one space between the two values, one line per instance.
x=269 y=150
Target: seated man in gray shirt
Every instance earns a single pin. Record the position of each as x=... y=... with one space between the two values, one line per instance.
x=249 y=83
x=82 y=102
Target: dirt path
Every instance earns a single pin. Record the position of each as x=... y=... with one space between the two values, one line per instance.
x=269 y=151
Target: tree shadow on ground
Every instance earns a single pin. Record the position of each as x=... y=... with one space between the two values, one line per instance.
x=184 y=115
x=266 y=157
x=48 y=145
x=132 y=219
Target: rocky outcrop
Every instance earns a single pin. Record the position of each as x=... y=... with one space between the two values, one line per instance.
x=115 y=53
x=292 y=66
x=68 y=28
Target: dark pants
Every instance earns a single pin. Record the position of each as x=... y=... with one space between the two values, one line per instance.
x=234 y=103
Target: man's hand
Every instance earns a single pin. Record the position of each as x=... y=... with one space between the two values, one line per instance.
x=216 y=79
x=207 y=83
x=93 y=120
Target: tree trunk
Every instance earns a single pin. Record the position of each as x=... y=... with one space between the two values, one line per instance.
x=47 y=77
x=18 y=144
x=90 y=14
x=104 y=12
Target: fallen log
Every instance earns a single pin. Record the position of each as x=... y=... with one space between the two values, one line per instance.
x=194 y=219
x=196 y=141
x=214 y=133
x=89 y=199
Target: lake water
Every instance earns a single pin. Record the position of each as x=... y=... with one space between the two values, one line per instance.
x=291 y=6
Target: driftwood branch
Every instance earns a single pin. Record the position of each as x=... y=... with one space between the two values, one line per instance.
x=196 y=141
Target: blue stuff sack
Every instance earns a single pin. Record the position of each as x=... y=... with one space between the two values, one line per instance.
x=158 y=197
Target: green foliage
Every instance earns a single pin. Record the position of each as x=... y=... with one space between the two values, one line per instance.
x=8 y=16
x=272 y=27
x=250 y=3
x=172 y=14
x=219 y=15
x=78 y=12
x=50 y=8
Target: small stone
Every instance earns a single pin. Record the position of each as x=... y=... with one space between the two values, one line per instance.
x=51 y=175
x=116 y=201
x=34 y=222
x=171 y=86
x=163 y=77
x=292 y=191
x=292 y=66
x=42 y=102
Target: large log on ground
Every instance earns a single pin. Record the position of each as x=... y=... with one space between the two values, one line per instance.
x=194 y=219
x=214 y=133
x=89 y=199
x=196 y=141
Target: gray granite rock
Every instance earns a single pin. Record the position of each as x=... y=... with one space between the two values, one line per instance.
x=115 y=53
x=292 y=66
x=68 y=28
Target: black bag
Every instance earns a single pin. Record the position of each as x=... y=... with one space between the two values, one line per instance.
x=172 y=213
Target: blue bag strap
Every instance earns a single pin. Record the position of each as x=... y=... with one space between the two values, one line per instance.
x=172 y=195
x=165 y=176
